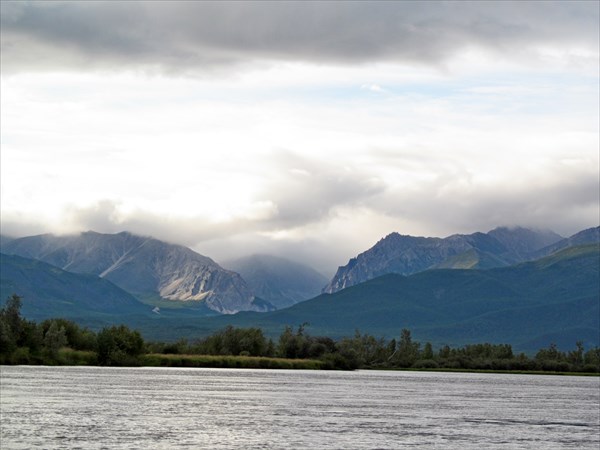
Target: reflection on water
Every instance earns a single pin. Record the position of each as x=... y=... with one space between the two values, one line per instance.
x=91 y=407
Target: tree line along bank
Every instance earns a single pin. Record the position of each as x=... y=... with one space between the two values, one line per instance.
x=63 y=342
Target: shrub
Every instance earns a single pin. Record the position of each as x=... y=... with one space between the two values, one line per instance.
x=119 y=346
x=425 y=364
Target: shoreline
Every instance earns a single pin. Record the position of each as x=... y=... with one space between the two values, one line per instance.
x=86 y=359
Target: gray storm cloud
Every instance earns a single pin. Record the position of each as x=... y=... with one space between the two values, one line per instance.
x=200 y=36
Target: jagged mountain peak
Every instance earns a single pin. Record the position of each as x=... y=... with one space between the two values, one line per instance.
x=405 y=255
x=587 y=236
x=143 y=266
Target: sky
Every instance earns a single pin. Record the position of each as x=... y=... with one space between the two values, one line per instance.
x=306 y=130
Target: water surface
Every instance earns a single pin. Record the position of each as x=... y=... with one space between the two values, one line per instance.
x=92 y=407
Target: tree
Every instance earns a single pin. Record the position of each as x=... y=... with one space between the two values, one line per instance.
x=54 y=339
x=576 y=356
x=591 y=359
x=427 y=351
x=8 y=342
x=77 y=338
x=407 y=351
x=119 y=346
x=293 y=345
x=10 y=316
x=550 y=354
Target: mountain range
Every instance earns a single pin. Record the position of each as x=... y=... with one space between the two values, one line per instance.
x=147 y=268
x=508 y=285
x=555 y=299
x=406 y=255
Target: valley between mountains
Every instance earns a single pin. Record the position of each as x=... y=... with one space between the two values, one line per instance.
x=520 y=286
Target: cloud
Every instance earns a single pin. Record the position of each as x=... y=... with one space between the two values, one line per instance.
x=347 y=129
x=563 y=199
x=373 y=88
x=203 y=36
x=323 y=215
x=307 y=190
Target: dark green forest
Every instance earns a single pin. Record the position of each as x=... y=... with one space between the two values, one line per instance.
x=64 y=342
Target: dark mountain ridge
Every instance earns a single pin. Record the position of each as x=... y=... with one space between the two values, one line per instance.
x=406 y=255
x=587 y=236
x=48 y=291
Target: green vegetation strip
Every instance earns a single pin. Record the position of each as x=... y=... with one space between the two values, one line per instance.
x=63 y=342
x=228 y=361
x=514 y=372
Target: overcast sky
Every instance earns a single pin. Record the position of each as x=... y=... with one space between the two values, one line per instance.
x=308 y=130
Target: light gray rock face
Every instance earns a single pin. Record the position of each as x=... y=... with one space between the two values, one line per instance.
x=144 y=267
x=406 y=255
x=281 y=282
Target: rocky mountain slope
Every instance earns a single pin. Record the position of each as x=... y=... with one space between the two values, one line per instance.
x=587 y=236
x=406 y=255
x=145 y=267
x=279 y=281
x=529 y=305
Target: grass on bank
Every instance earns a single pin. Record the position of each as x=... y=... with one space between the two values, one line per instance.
x=507 y=371
x=69 y=357
x=226 y=361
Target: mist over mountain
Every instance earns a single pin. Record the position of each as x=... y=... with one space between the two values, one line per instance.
x=522 y=243
x=145 y=267
x=406 y=255
x=278 y=280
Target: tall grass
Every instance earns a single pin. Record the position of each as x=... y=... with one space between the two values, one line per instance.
x=225 y=361
x=70 y=357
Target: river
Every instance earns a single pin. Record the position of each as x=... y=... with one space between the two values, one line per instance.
x=148 y=408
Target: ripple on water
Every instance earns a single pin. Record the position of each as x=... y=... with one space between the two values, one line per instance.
x=91 y=407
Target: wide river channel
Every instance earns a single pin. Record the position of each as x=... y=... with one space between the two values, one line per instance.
x=147 y=408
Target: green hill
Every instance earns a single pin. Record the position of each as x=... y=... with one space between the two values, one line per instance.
x=48 y=291
x=555 y=299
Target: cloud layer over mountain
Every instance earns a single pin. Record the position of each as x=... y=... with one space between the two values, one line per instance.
x=304 y=128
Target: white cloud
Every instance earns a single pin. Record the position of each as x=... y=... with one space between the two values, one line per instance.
x=318 y=154
x=373 y=88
